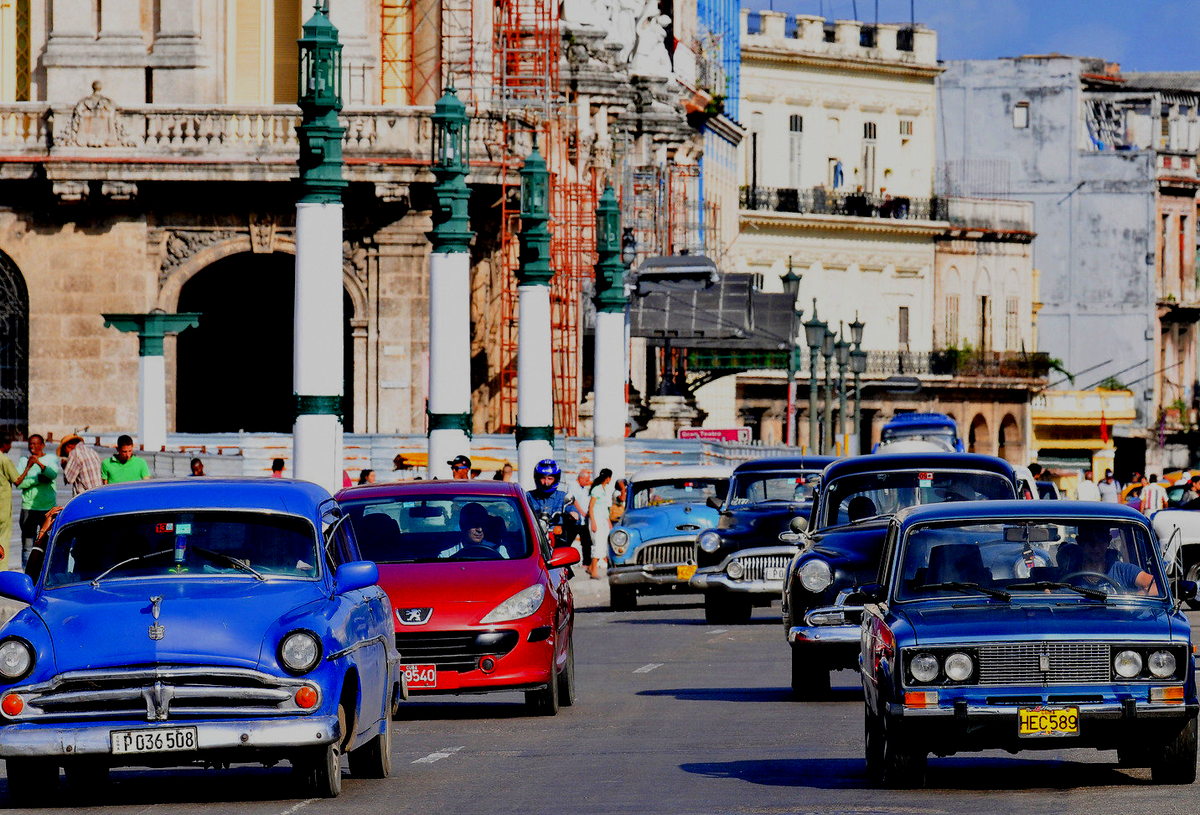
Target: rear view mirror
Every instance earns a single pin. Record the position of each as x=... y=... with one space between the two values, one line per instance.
x=355 y=575
x=1030 y=533
x=1187 y=591
x=423 y=511
x=18 y=586
x=799 y=524
x=714 y=502
x=563 y=556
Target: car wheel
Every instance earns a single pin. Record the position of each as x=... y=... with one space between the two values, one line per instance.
x=374 y=759
x=1176 y=761
x=622 y=598
x=873 y=746
x=903 y=765
x=544 y=702
x=1193 y=574
x=320 y=767
x=566 y=679
x=31 y=781
x=809 y=681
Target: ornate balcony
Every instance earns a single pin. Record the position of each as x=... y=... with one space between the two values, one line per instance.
x=820 y=201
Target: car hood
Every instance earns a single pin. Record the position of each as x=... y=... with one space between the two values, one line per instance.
x=203 y=621
x=458 y=593
x=979 y=621
x=857 y=544
x=667 y=520
x=760 y=524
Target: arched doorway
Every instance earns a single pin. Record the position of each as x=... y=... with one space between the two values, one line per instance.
x=14 y=349
x=977 y=437
x=234 y=371
x=1009 y=440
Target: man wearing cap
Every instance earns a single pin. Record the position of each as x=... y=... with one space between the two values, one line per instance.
x=81 y=465
x=460 y=466
x=1109 y=489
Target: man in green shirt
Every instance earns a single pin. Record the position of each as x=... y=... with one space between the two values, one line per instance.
x=39 y=474
x=124 y=465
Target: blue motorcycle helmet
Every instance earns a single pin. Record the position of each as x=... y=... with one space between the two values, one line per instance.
x=547 y=466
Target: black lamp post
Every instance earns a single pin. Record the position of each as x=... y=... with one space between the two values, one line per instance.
x=791 y=287
x=858 y=366
x=814 y=337
x=827 y=348
x=841 y=350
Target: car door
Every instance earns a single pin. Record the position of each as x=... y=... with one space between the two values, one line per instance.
x=877 y=643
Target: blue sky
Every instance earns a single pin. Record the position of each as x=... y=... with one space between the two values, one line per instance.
x=1142 y=35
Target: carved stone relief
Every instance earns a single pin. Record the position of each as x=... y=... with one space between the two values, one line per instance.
x=179 y=245
x=95 y=123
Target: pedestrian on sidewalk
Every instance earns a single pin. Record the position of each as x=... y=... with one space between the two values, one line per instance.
x=81 y=465
x=39 y=472
x=277 y=468
x=578 y=499
x=124 y=466
x=1109 y=488
x=10 y=476
x=197 y=467
x=1154 y=496
x=1086 y=489
x=599 y=506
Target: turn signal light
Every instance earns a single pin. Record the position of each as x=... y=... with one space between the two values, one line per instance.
x=14 y=704
x=1171 y=695
x=306 y=697
x=916 y=698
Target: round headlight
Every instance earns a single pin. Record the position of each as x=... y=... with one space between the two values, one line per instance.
x=735 y=569
x=618 y=540
x=815 y=575
x=299 y=652
x=924 y=667
x=16 y=659
x=1162 y=664
x=1127 y=664
x=959 y=667
x=709 y=541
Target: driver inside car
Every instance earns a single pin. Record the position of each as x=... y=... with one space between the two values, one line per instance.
x=1095 y=565
x=474 y=522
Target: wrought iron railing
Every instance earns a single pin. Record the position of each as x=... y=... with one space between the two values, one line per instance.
x=950 y=362
x=820 y=201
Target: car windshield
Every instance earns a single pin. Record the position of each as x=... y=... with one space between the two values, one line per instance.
x=756 y=487
x=183 y=544
x=865 y=495
x=440 y=527
x=678 y=491
x=1092 y=559
x=946 y=437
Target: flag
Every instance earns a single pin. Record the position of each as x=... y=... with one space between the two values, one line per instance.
x=1103 y=427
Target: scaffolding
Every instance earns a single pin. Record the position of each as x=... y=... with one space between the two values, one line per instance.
x=395 y=63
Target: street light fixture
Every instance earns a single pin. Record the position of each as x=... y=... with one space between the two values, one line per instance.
x=842 y=352
x=791 y=287
x=856 y=330
x=814 y=337
x=858 y=365
x=827 y=348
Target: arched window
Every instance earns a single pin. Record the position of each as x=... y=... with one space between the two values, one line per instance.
x=14 y=349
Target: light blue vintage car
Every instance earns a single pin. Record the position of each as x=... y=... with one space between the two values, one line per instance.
x=653 y=548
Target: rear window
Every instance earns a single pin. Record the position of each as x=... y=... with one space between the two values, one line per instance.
x=866 y=495
x=436 y=528
x=756 y=487
x=679 y=491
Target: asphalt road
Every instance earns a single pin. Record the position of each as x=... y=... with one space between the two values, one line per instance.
x=674 y=716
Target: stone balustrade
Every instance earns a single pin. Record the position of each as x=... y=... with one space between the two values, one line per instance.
x=993 y=214
x=810 y=34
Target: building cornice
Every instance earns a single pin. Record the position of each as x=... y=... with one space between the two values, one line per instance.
x=754 y=52
x=726 y=128
x=760 y=219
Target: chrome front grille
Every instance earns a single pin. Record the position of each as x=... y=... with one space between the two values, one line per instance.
x=756 y=566
x=161 y=693
x=1022 y=663
x=665 y=554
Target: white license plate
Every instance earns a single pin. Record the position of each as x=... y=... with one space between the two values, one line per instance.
x=420 y=676
x=778 y=573
x=161 y=740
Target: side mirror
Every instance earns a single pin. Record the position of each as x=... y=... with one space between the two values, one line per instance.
x=357 y=574
x=1187 y=590
x=19 y=586
x=799 y=524
x=866 y=593
x=713 y=502
x=563 y=556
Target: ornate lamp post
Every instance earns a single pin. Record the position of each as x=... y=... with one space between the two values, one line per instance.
x=858 y=365
x=791 y=287
x=814 y=337
x=827 y=348
x=535 y=405
x=317 y=378
x=611 y=410
x=841 y=350
x=449 y=288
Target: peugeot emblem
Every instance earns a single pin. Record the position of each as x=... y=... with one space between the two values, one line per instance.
x=413 y=616
x=156 y=631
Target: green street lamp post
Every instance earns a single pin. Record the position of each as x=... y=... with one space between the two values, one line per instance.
x=858 y=365
x=791 y=287
x=841 y=350
x=611 y=409
x=827 y=349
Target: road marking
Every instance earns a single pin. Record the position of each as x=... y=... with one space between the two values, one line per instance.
x=718 y=631
x=445 y=752
x=297 y=807
x=645 y=669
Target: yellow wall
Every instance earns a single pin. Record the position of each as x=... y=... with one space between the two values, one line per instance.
x=263 y=56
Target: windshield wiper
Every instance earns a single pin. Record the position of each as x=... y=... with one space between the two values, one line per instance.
x=221 y=557
x=1091 y=594
x=96 y=580
x=959 y=585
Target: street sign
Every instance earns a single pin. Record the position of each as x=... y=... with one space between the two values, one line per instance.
x=734 y=434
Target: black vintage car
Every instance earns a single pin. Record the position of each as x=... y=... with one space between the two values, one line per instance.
x=742 y=562
x=841 y=546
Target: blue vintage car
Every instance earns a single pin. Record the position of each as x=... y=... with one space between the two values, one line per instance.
x=206 y=621
x=1025 y=625
x=652 y=549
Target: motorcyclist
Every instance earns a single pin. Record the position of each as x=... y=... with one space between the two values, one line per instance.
x=546 y=499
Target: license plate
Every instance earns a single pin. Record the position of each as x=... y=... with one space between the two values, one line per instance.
x=421 y=676
x=1035 y=722
x=685 y=571
x=776 y=573
x=162 y=740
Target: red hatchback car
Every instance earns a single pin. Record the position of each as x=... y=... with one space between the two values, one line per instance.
x=481 y=601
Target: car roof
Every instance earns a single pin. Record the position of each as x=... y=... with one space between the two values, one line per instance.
x=678 y=471
x=439 y=486
x=285 y=495
x=1019 y=510
x=884 y=462
x=773 y=463
x=919 y=419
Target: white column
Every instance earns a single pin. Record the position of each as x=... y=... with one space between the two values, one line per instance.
x=610 y=407
x=449 y=355
x=152 y=403
x=535 y=390
x=317 y=365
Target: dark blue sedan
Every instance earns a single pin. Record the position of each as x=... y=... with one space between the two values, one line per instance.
x=1025 y=625
x=201 y=622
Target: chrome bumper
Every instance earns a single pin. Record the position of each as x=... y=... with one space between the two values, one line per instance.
x=22 y=740
x=1102 y=710
x=715 y=577
x=657 y=574
x=826 y=625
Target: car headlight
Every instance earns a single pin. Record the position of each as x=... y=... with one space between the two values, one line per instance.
x=519 y=606
x=1127 y=664
x=959 y=667
x=299 y=652
x=735 y=569
x=709 y=541
x=16 y=659
x=815 y=575
x=924 y=667
x=1162 y=663
x=618 y=540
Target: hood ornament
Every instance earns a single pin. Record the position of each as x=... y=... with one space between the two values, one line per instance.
x=156 y=631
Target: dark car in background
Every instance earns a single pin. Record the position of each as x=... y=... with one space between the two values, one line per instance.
x=742 y=562
x=841 y=546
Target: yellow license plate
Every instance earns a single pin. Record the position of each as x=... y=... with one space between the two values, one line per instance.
x=686 y=571
x=1034 y=722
